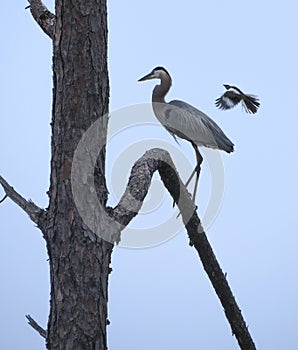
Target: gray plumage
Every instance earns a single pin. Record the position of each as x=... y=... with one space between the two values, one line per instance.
x=182 y=119
x=185 y=121
x=191 y=124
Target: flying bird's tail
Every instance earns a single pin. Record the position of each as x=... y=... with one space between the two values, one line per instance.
x=250 y=103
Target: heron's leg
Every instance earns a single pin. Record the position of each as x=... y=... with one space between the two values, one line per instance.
x=197 y=169
x=190 y=177
x=188 y=181
x=195 y=188
x=196 y=172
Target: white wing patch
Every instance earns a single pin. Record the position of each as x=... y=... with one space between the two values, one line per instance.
x=228 y=102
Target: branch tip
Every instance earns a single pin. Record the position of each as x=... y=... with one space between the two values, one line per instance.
x=3 y=199
x=42 y=332
x=29 y=207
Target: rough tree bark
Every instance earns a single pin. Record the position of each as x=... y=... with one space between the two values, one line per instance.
x=79 y=259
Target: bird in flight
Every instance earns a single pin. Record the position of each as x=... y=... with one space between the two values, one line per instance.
x=233 y=96
x=185 y=121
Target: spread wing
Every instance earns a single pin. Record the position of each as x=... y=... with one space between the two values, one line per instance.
x=185 y=121
x=228 y=100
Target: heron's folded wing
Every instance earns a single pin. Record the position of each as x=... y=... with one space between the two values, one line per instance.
x=191 y=124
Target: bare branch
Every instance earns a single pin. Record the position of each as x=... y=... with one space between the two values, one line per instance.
x=139 y=182
x=43 y=17
x=29 y=207
x=36 y=326
x=130 y=203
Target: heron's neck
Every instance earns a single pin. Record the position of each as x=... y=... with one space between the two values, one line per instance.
x=160 y=91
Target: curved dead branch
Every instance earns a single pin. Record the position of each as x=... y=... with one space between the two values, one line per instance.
x=140 y=180
x=130 y=203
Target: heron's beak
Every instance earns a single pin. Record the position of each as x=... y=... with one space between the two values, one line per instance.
x=147 y=77
x=226 y=86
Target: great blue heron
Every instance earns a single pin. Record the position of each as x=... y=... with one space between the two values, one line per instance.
x=233 y=96
x=185 y=121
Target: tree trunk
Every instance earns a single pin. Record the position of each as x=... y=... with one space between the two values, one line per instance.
x=79 y=260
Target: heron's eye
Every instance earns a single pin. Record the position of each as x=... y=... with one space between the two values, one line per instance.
x=157 y=73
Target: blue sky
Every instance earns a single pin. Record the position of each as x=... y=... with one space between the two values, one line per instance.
x=160 y=296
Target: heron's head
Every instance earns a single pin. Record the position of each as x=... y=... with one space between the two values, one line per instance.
x=156 y=73
x=227 y=86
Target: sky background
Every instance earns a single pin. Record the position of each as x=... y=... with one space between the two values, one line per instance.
x=160 y=297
